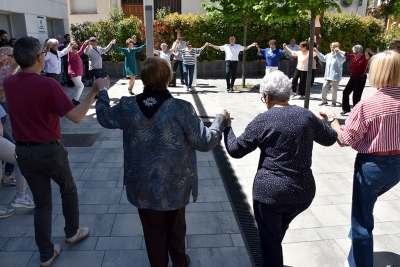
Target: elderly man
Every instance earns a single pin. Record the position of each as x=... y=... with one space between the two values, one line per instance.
x=232 y=51
x=36 y=104
x=291 y=63
x=94 y=52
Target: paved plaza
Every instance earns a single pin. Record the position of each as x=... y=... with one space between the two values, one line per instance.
x=317 y=237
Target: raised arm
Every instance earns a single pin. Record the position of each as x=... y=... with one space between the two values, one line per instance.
x=369 y=51
x=214 y=46
x=65 y=50
x=119 y=48
x=83 y=48
x=250 y=46
x=104 y=50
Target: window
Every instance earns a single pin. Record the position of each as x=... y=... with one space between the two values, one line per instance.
x=83 y=6
x=132 y=1
x=174 y=5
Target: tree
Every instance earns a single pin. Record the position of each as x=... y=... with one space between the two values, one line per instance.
x=275 y=10
x=389 y=8
x=237 y=12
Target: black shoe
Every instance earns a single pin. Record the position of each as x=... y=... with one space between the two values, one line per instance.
x=182 y=82
x=75 y=102
x=344 y=112
x=227 y=89
x=294 y=94
x=323 y=104
x=188 y=259
x=231 y=90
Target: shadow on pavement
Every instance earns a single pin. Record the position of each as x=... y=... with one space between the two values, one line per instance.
x=384 y=258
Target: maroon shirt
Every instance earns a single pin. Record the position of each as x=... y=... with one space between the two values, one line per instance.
x=35 y=105
x=357 y=67
x=75 y=68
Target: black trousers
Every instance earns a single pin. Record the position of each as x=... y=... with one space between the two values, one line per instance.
x=164 y=231
x=303 y=79
x=178 y=63
x=54 y=76
x=273 y=220
x=230 y=73
x=355 y=86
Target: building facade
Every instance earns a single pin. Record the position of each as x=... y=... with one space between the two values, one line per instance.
x=41 y=19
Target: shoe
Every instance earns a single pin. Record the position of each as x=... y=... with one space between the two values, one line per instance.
x=182 y=82
x=227 y=89
x=26 y=202
x=130 y=91
x=81 y=233
x=188 y=259
x=75 y=102
x=323 y=104
x=333 y=105
x=189 y=90
x=231 y=90
x=4 y=213
x=8 y=179
x=294 y=95
x=344 y=112
x=57 y=251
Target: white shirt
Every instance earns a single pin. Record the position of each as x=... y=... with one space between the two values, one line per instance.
x=53 y=63
x=293 y=48
x=166 y=56
x=232 y=51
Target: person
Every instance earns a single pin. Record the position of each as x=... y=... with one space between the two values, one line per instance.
x=178 y=60
x=4 y=38
x=358 y=78
x=63 y=73
x=53 y=59
x=301 y=69
x=372 y=129
x=36 y=104
x=232 y=51
x=189 y=60
x=12 y=42
x=75 y=70
x=333 y=72
x=94 y=52
x=292 y=62
x=284 y=185
x=164 y=53
x=160 y=169
x=130 y=67
x=272 y=56
x=64 y=64
x=395 y=45
x=136 y=44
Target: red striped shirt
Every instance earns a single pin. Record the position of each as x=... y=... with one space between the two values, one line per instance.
x=374 y=123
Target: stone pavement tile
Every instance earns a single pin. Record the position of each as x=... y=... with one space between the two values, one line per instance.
x=321 y=201
x=124 y=198
x=3 y=241
x=344 y=244
x=99 y=224
x=389 y=195
x=203 y=164
x=17 y=226
x=211 y=223
x=306 y=219
x=347 y=183
x=209 y=241
x=387 y=210
x=73 y=258
x=204 y=156
x=106 y=157
x=333 y=232
x=114 y=133
x=127 y=225
x=218 y=181
x=94 y=196
x=208 y=172
x=109 y=165
x=95 y=174
x=226 y=256
x=204 y=206
x=122 y=208
x=111 y=144
x=316 y=169
x=20 y=244
x=126 y=258
x=207 y=182
x=79 y=184
x=80 y=157
x=7 y=194
x=237 y=240
x=332 y=168
x=89 y=243
x=323 y=253
x=332 y=215
x=340 y=199
x=15 y=259
x=212 y=194
x=79 y=165
x=386 y=228
x=384 y=244
x=57 y=209
x=119 y=243
x=226 y=206
x=329 y=188
x=300 y=235
x=100 y=184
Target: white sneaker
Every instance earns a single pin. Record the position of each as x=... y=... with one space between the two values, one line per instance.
x=57 y=251
x=4 y=213
x=81 y=233
x=8 y=179
x=26 y=202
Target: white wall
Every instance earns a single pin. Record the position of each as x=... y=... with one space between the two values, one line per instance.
x=194 y=6
x=103 y=7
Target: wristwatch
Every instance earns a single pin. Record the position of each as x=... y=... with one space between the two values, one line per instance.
x=331 y=119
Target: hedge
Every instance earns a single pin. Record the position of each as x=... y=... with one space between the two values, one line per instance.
x=348 y=29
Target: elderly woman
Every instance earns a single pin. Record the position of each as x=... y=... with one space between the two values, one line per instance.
x=333 y=72
x=75 y=70
x=130 y=68
x=161 y=136
x=53 y=58
x=358 y=77
x=164 y=53
x=284 y=185
x=272 y=56
x=189 y=60
x=301 y=70
x=373 y=130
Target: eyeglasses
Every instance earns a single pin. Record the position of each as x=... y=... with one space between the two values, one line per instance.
x=264 y=98
x=43 y=52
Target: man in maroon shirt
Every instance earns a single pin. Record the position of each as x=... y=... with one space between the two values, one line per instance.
x=36 y=104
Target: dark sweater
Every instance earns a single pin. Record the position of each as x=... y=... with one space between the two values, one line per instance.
x=285 y=137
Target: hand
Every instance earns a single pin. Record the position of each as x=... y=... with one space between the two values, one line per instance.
x=227 y=116
x=86 y=42
x=315 y=50
x=113 y=41
x=254 y=44
x=101 y=83
x=284 y=45
x=325 y=112
x=3 y=57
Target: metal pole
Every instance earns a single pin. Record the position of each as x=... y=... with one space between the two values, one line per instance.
x=148 y=23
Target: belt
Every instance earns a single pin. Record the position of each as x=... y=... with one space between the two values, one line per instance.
x=386 y=153
x=18 y=143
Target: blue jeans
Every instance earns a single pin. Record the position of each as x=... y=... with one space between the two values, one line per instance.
x=188 y=69
x=8 y=167
x=96 y=73
x=373 y=176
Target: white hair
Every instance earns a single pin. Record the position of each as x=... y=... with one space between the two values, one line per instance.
x=276 y=86
x=52 y=41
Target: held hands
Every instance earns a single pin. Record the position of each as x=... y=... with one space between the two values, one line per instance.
x=86 y=42
x=113 y=41
x=315 y=50
x=101 y=83
x=227 y=116
x=326 y=112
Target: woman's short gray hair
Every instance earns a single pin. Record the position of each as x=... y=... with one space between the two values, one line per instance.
x=358 y=48
x=276 y=86
x=52 y=41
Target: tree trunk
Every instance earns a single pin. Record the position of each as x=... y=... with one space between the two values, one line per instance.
x=310 y=59
x=244 y=51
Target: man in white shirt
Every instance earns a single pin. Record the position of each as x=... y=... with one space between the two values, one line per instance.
x=232 y=51
x=292 y=62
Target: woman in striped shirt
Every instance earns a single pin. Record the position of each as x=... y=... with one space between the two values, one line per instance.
x=373 y=130
x=189 y=60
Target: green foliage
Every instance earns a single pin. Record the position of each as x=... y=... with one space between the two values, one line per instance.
x=390 y=7
x=393 y=34
x=116 y=15
x=162 y=13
